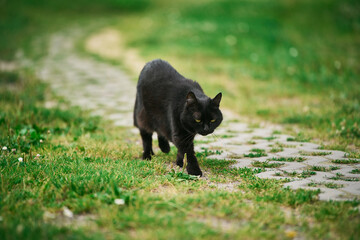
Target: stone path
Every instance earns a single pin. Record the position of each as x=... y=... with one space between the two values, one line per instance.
x=100 y=87
x=108 y=92
x=302 y=163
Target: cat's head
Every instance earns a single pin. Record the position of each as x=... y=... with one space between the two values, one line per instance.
x=201 y=115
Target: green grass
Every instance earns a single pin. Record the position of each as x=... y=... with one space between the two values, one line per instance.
x=303 y=174
x=270 y=138
x=355 y=171
x=86 y=166
x=314 y=153
x=282 y=145
x=333 y=185
x=181 y=176
x=288 y=159
x=300 y=137
x=292 y=74
x=345 y=161
x=255 y=152
x=227 y=136
x=340 y=176
x=306 y=174
x=254 y=155
x=275 y=150
x=324 y=169
x=328 y=185
x=352 y=154
x=266 y=164
x=22 y=21
x=206 y=152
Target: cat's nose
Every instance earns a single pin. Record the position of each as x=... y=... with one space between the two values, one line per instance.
x=206 y=127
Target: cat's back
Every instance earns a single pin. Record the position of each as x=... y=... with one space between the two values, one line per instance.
x=160 y=84
x=158 y=71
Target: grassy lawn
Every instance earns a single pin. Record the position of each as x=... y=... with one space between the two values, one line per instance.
x=290 y=62
x=81 y=163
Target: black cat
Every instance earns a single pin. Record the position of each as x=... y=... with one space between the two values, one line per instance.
x=176 y=108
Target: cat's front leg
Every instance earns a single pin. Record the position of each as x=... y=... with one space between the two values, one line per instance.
x=180 y=159
x=184 y=145
x=192 y=164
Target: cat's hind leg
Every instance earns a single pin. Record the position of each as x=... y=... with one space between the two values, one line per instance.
x=163 y=144
x=147 y=144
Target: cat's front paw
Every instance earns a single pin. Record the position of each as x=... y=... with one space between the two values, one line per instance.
x=147 y=155
x=194 y=170
x=180 y=163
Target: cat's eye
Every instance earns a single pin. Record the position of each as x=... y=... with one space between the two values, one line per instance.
x=197 y=120
x=213 y=120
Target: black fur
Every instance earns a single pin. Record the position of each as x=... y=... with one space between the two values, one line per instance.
x=171 y=105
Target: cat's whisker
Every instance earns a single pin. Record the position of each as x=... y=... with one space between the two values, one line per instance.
x=217 y=138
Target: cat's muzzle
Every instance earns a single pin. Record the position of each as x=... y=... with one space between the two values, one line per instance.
x=204 y=133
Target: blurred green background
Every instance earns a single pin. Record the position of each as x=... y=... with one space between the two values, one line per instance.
x=289 y=62
x=295 y=63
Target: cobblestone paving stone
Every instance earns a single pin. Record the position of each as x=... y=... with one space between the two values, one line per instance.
x=106 y=91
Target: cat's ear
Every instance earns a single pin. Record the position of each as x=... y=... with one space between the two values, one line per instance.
x=216 y=100
x=190 y=99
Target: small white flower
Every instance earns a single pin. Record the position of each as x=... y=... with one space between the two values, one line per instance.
x=20 y=159
x=4 y=148
x=68 y=213
x=119 y=201
x=13 y=150
x=41 y=140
